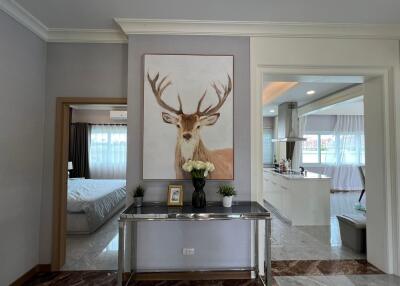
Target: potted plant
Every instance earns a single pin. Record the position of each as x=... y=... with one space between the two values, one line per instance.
x=227 y=192
x=138 y=196
x=199 y=171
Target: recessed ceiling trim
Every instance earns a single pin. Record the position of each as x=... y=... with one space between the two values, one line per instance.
x=344 y=95
x=257 y=28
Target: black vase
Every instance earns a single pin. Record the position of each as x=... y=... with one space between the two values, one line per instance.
x=199 y=196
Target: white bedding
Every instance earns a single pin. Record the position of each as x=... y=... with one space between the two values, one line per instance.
x=93 y=202
x=83 y=192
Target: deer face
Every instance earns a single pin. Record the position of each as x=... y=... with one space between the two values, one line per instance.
x=189 y=125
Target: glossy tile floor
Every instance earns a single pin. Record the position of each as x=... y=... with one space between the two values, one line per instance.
x=315 y=242
x=109 y=278
x=98 y=251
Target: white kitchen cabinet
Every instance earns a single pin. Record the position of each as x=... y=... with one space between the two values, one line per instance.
x=304 y=200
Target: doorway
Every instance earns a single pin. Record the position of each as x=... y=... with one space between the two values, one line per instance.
x=377 y=95
x=67 y=174
x=313 y=162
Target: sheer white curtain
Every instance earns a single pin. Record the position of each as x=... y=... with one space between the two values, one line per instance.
x=107 y=151
x=349 y=131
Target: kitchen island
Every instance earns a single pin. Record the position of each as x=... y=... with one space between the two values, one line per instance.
x=303 y=199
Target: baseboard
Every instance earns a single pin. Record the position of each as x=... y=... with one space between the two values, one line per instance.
x=29 y=274
x=193 y=275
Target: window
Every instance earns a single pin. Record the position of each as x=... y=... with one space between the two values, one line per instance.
x=107 y=151
x=328 y=149
x=331 y=149
x=311 y=149
x=267 y=146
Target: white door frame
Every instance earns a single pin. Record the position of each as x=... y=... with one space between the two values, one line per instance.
x=387 y=74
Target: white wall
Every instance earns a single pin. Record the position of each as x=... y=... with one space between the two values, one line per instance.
x=94 y=117
x=22 y=95
x=360 y=55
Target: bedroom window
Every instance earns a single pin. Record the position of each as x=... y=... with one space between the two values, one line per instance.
x=107 y=151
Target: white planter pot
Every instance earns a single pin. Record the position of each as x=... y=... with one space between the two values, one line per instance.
x=227 y=201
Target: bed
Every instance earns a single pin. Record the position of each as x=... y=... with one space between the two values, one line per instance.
x=92 y=202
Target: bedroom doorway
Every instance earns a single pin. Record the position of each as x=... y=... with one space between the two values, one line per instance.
x=89 y=182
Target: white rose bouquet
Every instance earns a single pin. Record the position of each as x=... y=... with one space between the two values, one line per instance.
x=198 y=169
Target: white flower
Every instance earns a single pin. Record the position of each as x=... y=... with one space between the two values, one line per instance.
x=188 y=166
x=191 y=165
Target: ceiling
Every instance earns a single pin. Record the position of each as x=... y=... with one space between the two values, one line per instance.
x=298 y=93
x=99 y=14
x=350 y=107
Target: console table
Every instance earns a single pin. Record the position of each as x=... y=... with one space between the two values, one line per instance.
x=252 y=211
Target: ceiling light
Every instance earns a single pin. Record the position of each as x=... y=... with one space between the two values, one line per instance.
x=311 y=92
x=272 y=110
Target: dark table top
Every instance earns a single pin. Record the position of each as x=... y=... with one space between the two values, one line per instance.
x=213 y=211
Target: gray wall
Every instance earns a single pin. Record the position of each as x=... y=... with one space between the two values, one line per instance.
x=75 y=70
x=22 y=82
x=217 y=243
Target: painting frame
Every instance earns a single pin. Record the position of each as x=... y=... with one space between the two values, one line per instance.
x=143 y=83
x=171 y=197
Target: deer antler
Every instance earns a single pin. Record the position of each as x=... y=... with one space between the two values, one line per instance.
x=221 y=100
x=158 y=90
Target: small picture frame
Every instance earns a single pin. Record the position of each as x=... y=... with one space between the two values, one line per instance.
x=175 y=195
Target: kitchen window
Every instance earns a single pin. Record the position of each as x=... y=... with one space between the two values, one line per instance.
x=267 y=146
x=333 y=149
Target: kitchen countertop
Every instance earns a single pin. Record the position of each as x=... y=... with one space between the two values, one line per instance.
x=309 y=176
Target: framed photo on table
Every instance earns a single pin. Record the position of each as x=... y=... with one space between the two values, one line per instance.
x=175 y=195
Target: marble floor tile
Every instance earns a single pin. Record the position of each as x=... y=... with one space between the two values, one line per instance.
x=322 y=267
x=103 y=278
x=309 y=242
x=97 y=251
x=339 y=280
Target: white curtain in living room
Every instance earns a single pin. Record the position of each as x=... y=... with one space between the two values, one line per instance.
x=108 y=151
x=349 y=130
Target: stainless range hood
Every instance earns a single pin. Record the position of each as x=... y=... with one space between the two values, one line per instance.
x=288 y=123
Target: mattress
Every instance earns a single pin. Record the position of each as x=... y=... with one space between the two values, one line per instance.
x=92 y=202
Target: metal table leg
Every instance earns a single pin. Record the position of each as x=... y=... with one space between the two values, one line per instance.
x=256 y=249
x=121 y=252
x=267 y=263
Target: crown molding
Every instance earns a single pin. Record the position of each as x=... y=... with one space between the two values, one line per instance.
x=258 y=29
x=22 y=16
x=197 y=27
x=86 y=36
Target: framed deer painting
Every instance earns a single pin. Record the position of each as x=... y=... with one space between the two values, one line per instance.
x=188 y=115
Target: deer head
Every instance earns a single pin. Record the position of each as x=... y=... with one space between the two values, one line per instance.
x=189 y=125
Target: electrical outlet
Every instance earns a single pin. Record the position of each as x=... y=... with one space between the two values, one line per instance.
x=188 y=251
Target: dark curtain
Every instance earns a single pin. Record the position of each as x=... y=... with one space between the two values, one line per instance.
x=79 y=150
